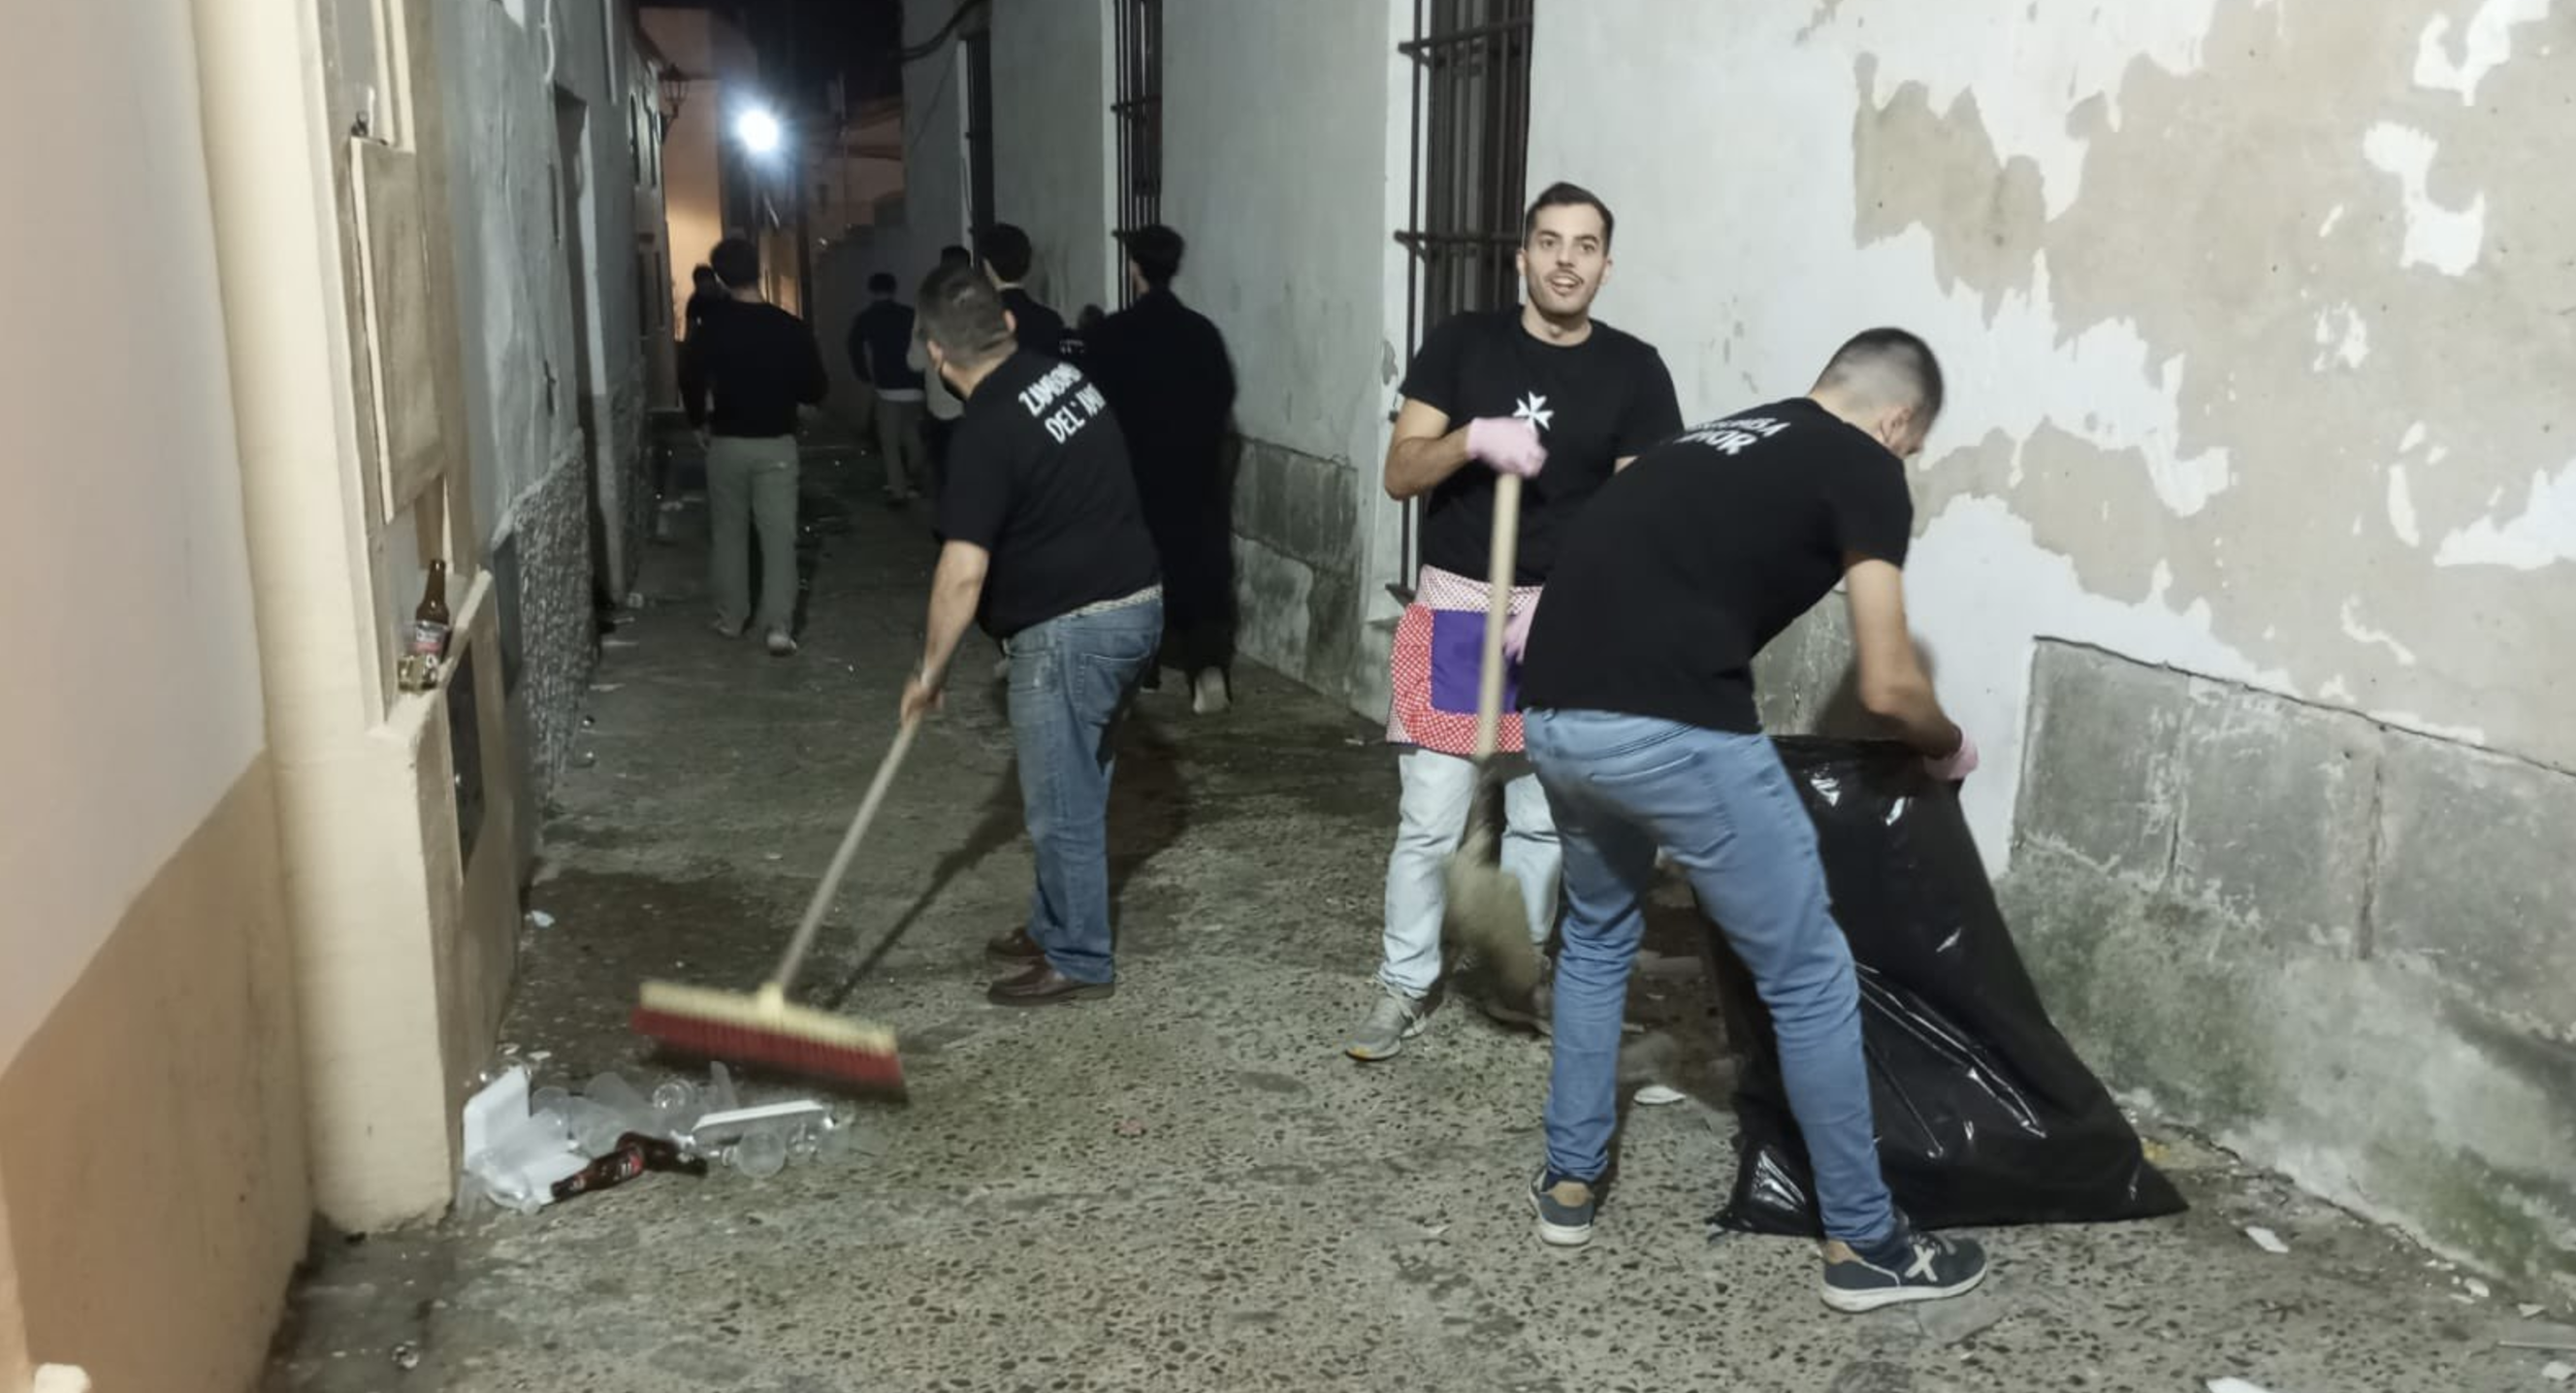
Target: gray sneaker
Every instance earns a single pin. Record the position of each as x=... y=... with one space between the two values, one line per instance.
x=1565 y=1208
x=1907 y=1267
x=1392 y=1021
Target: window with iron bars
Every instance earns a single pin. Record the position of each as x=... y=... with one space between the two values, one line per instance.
x=1471 y=91
x=978 y=50
x=1139 y=118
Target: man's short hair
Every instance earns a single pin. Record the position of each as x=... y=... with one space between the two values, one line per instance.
x=1156 y=250
x=962 y=313
x=955 y=255
x=702 y=275
x=1564 y=195
x=736 y=262
x=1890 y=367
x=882 y=283
x=1007 y=251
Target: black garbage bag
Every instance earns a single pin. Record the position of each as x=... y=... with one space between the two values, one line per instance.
x=1985 y=1114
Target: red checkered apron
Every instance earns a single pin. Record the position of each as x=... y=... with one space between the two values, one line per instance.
x=1432 y=671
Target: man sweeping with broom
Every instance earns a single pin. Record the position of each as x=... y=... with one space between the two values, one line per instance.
x=1045 y=546
x=1490 y=395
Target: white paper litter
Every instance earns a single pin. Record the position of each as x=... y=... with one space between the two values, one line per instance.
x=2529 y=1309
x=2266 y=1240
x=2235 y=1385
x=2476 y=1288
x=2558 y=1371
x=514 y=1155
x=541 y=919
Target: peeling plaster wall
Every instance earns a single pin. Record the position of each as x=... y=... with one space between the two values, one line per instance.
x=2259 y=320
x=2255 y=315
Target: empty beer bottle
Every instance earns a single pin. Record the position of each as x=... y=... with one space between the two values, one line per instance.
x=635 y=1154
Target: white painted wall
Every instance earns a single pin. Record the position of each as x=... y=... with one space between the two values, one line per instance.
x=134 y=700
x=1052 y=155
x=1287 y=218
x=934 y=160
x=2220 y=447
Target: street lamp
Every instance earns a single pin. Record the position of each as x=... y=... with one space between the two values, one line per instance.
x=757 y=130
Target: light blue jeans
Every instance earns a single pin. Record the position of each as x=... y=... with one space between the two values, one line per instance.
x=1071 y=680
x=1722 y=806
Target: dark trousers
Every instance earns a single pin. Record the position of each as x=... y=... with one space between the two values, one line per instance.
x=1194 y=539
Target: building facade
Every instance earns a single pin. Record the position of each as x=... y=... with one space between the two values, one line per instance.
x=357 y=293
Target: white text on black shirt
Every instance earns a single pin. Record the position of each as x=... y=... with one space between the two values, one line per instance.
x=1062 y=423
x=1730 y=437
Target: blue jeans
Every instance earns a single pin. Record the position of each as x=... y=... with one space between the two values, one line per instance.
x=1722 y=806
x=1071 y=679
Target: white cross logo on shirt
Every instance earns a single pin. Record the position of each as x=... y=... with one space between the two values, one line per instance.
x=1533 y=409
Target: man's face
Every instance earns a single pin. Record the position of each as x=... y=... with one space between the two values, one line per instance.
x=1565 y=259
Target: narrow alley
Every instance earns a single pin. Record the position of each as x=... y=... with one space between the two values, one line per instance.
x=1187 y=1186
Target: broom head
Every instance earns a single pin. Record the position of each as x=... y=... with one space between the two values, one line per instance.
x=1489 y=915
x=764 y=1030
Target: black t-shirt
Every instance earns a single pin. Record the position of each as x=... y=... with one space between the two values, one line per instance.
x=1708 y=546
x=1038 y=476
x=1594 y=404
x=758 y=362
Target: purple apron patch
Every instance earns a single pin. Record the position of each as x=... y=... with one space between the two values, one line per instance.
x=1457 y=658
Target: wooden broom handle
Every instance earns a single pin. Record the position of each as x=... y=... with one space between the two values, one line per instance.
x=831 y=886
x=1498 y=613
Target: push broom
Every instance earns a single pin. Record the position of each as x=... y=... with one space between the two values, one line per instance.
x=1486 y=908
x=764 y=1028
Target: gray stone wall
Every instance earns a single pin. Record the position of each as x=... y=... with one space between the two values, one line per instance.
x=1297 y=556
x=2341 y=947
x=542 y=565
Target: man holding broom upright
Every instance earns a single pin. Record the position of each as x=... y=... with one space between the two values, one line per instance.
x=1503 y=391
x=1045 y=546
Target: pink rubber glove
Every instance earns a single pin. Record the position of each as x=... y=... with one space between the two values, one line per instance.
x=1516 y=633
x=1507 y=444
x=1956 y=765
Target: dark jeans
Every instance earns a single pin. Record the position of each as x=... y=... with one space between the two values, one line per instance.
x=1072 y=678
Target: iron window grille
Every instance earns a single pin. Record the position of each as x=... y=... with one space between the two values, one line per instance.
x=978 y=49
x=1471 y=103
x=1138 y=111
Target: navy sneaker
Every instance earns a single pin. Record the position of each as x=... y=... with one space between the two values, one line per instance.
x=1564 y=1207
x=1907 y=1267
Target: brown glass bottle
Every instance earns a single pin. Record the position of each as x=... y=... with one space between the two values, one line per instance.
x=429 y=623
x=635 y=1154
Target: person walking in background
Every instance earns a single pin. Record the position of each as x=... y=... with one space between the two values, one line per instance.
x=1165 y=371
x=758 y=363
x=1008 y=257
x=880 y=347
x=705 y=293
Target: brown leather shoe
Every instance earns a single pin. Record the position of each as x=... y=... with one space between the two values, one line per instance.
x=1015 y=947
x=1042 y=985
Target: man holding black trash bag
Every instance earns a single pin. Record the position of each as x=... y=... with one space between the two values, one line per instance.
x=1637 y=691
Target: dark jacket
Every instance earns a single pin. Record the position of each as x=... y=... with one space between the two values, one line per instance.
x=880 y=336
x=1164 y=368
